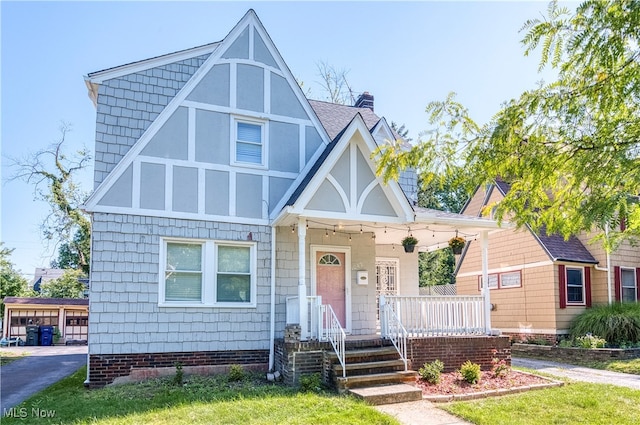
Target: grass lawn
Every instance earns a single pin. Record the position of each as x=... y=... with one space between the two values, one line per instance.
x=573 y=403
x=212 y=400
x=7 y=356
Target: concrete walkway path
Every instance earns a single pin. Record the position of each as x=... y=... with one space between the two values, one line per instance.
x=41 y=367
x=580 y=373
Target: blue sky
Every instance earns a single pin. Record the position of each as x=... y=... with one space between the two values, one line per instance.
x=404 y=53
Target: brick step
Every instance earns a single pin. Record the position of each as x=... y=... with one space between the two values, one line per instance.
x=375 y=379
x=388 y=365
x=388 y=394
x=364 y=353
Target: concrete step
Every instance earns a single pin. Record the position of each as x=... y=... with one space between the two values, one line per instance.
x=374 y=379
x=388 y=365
x=388 y=394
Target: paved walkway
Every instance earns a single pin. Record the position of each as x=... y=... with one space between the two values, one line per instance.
x=580 y=373
x=41 y=367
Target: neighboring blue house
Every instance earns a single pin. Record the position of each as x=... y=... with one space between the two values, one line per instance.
x=225 y=201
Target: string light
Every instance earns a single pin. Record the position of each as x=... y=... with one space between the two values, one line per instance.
x=334 y=229
x=326 y=233
x=361 y=229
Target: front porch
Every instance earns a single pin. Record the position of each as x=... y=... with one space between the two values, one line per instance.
x=413 y=330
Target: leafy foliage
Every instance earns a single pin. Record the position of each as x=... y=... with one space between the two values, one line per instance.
x=311 y=383
x=52 y=173
x=617 y=323
x=569 y=148
x=470 y=372
x=66 y=286
x=11 y=282
x=431 y=372
x=236 y=373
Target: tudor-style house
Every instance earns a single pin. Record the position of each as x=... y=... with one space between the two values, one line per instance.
x=232 y=215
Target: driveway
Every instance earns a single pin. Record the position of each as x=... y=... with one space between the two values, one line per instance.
x=41 y=367
x=580 y=373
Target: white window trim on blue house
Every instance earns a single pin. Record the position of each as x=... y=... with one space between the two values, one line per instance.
x=235 y=141
x=210 y=273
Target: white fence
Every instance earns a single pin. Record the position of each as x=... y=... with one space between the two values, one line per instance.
x=435 y=315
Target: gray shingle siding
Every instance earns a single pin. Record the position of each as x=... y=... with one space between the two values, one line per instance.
x=129 y=104
x=125 y=316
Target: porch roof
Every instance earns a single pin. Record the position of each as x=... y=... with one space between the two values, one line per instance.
x=432 y=228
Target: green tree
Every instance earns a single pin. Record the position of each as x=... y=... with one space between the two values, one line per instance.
x=53 y=174
x=569 y=148
x=66 y=286
x=440 y=193
x=12 y=284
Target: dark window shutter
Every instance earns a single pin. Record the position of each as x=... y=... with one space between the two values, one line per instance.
x=587 y=286
x=638 y=284
x=617 y=282
x=623 y=224
x=562 y=285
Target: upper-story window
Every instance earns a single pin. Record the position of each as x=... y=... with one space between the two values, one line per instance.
x=249 y=143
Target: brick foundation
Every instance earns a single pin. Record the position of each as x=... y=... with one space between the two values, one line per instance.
x=550 y=339
x=453 y=351
x=295 y=358
x=105 y=368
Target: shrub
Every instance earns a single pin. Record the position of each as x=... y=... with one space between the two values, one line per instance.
x=431 y=372
x=311 y=383
x=616 y=323
x=236 y=373
x=499 y=368
x=178 y=378
x=470 y=372
x=590 y=341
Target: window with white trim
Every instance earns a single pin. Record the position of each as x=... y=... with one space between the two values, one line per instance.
x=575 y=285
x=628 y=281
x=208 y=273
x=249 y=143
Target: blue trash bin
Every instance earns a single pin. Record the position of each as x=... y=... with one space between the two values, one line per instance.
x=46 y=335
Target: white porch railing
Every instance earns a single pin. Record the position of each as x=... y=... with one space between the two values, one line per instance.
x=322 y=324
x=333 y=332
x=313 y=315
x=393 y=329
x=433 y=315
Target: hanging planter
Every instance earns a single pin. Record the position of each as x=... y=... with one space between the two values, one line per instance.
x=456 y=244
x=409 y=243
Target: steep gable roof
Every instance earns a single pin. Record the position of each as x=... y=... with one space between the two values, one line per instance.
x=335 y=118
x=559 y=249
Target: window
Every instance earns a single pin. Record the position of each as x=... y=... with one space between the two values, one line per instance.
x=628 y=278
x=198 y=273
x=183 y=272
x=575 y=285
x=249 y=146
x=329 y=260
x=503 y=280
x=493 y=281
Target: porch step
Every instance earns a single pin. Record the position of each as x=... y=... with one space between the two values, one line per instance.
x=369 y=367
x=388 y=394
x=375 y=379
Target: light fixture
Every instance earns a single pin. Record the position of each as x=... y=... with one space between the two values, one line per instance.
x=326 y=233
x=361 y=229
x=334 y=229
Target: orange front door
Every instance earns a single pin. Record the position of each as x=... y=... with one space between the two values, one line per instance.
x=330 y=282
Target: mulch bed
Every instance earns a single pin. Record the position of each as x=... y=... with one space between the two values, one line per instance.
x=453 y=387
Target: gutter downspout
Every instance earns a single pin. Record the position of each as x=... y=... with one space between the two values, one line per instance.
x=272 y=333
x=608 y=268
x=484 y=247
x=302 y=280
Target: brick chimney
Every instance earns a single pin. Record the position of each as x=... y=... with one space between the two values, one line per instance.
x=365 y=100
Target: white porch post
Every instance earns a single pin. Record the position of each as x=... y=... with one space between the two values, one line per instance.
x=484 y=245
x=302 y=284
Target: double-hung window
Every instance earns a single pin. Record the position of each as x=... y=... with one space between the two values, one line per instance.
x=628 y=280
x=575 y=285
x=249 y=143
x=208 y=273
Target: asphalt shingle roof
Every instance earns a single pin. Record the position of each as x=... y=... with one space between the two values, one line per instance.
x=46 y=301
x=559 y=249
x=335 y=117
